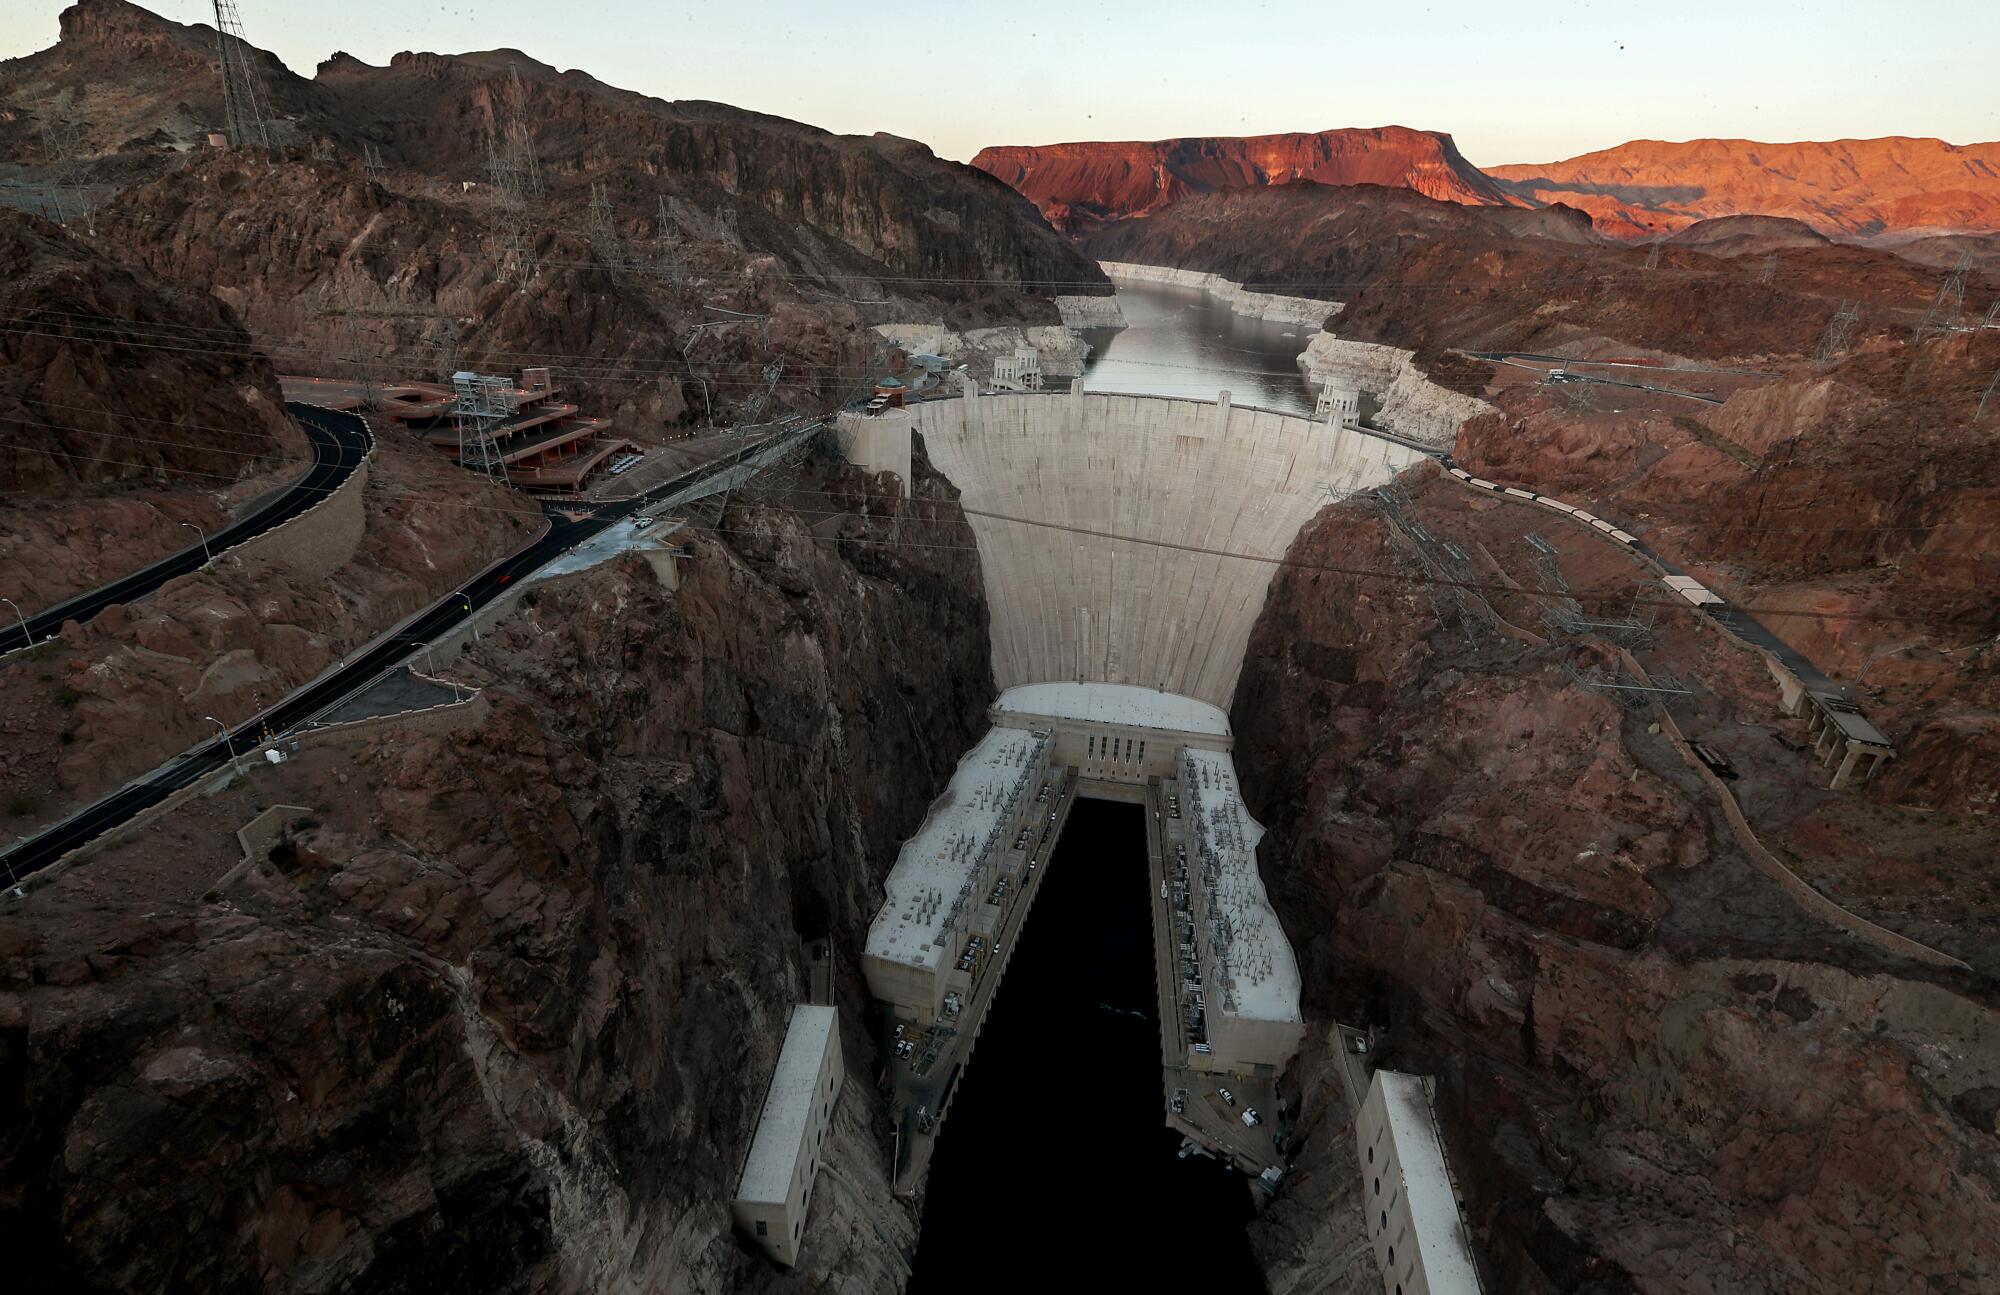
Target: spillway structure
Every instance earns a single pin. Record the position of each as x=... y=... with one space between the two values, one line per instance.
x=1126 y=544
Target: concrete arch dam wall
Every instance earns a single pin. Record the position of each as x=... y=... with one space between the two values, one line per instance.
x=1189 y=479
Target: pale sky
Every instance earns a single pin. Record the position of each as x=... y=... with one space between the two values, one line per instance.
x=1530 y=81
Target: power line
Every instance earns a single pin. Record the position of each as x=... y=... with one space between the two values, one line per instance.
x=1395 y=577
x=1976 y=527
x=1582 y=273
x=242 y=106
x=1948 y=304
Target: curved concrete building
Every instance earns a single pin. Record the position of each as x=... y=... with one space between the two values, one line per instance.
x=1054 y=482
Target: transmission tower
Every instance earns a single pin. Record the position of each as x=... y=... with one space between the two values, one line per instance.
x=64 y=141
x=725 y=227
x=242 y=106
x=753 y=408
x=516 y=177
x=1943 y=315
x=604 y=237
x=1770 y=270
x=511 y=206
x=1653 y=256
x=521 y=141
x=1992 y=319
x=371 y=162
x=443 y=345
x=1839 y=334
x=666 y=242
x=1987 y=395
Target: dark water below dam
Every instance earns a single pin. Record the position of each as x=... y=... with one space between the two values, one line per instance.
x=1055 y=1170
x=1185 y=342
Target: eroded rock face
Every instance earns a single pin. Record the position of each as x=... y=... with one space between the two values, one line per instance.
x=1841 y=187
x=1654 y=1071
x=1081 y=185
x=500 y=1013
x=98 y=384
x=1852 y=495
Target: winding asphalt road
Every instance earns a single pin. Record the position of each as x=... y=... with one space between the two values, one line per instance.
x=339 y=443
x=568 y=527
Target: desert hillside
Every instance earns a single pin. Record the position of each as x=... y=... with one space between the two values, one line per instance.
x=1079 y=185
x=1854 y=188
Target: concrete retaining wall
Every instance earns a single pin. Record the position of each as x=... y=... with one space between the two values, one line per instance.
x=445 y=717
x=1217 y=493
x=317 y=542
x=1276 y=307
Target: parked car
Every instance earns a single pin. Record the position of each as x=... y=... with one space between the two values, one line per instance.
x=1251 y=1119
x=1228 y=1097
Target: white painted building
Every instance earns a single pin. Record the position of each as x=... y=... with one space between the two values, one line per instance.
x=939 y=894
x=1338 y=404
x=1021 y=371
x=776 y=1189
x=1413 y=1220
x=1251 y=1020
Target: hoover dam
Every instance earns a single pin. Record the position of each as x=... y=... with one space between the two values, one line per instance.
x=611 y=692
x=1126 y=544
x=1129 y=539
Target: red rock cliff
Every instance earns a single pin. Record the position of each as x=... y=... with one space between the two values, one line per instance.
x=1852 y=187
x=1078 y=185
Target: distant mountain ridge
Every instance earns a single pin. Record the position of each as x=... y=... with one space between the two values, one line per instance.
x=1846 y=188
x=1854 y=189
x=1080 y=185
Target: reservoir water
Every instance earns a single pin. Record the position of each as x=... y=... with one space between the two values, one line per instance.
x=1056 y=1170
x=1185 y=342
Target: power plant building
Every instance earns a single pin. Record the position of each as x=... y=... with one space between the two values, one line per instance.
x=1413 y=1221
x=941 y=913
x=1246 y=1016
x=777 y=1184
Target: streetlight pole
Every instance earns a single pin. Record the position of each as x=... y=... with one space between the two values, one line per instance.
x=206 y=556
x=228 y=742
x=470 y=619
x=27 y=639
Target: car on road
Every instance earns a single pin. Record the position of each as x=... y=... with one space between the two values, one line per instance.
x=1251 y=1119
x=1715 y=760
x=1228 y=1097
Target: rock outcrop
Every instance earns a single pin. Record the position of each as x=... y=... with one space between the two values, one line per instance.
x=116 y=697
x=1855 y=188
x=499 y=1012
x=128 y=406
x=110 y=375
x=1078 y=186
x=1654 y=1070
x=640 y=217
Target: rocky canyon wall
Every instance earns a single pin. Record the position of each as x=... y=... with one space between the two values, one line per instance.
x=498 y=1012
x=1655 y=1071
